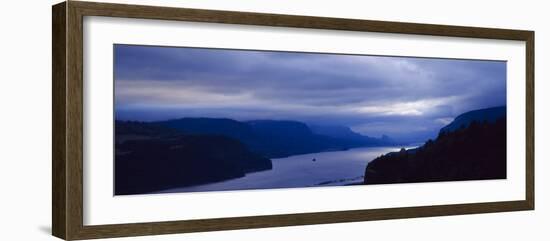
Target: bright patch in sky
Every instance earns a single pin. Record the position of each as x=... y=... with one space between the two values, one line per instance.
x=401 y=97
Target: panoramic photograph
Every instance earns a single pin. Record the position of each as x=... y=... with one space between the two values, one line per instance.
x=203 y=119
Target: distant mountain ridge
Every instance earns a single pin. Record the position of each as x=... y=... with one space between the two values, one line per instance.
x=155 y=156
x=218 y=126
x=489 y=115
x=283 y=128
x=336 y=131
x=276 y=138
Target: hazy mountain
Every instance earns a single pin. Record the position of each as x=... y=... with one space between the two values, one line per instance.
x=275 y=138
x=342 y=132
x=346 y=133
x=280 y=128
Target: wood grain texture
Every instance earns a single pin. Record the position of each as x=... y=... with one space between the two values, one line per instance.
x=67 y=79
x=280 y=20
x=155 y=228
x=74 y=121
x=530 y=120
x=58 y=121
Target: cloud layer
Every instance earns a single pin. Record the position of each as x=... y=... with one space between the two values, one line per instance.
x=409 y=98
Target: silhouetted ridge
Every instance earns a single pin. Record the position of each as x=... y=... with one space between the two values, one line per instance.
x=218 y=126
x=272 y=138
x=155 y=156
x=475 y=151
x=488 y=115
x=151 y=158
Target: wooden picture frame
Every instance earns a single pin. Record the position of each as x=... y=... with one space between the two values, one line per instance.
x=67 y=150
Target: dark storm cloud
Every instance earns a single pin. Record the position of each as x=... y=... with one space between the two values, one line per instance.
x=372 y=94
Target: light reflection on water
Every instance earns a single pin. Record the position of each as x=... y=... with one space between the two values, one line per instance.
x=334 y=168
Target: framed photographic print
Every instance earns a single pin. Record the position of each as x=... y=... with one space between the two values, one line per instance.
x=171 y=120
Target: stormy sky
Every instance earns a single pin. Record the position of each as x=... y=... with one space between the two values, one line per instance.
x=405 y=98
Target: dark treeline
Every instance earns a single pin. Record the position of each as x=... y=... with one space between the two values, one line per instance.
x=151 y=158
x=474 y=152
x=155 y=156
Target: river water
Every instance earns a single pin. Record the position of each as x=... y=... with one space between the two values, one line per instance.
x=335 y=168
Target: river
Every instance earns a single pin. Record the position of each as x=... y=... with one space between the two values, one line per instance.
x=334 y=168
